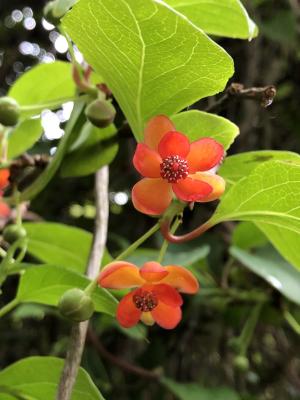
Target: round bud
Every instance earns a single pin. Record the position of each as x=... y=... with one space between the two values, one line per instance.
x=76 y=305
x=50 y=14
x=100 y=113
x=241 y=363
x=14 y=232
x=9 y=111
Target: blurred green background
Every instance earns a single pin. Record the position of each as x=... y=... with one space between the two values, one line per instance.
x=201 y=349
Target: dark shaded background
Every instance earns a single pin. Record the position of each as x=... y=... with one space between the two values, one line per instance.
x=197 y=351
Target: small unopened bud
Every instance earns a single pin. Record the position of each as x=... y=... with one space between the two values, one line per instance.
x=241 y=363
x=100 y=113
x=76 y=305
x=12 y=233
x=9 y=111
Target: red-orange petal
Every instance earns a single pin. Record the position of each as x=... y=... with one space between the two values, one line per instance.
x=174 y=144
x=4 y=175
x=127 y=313
x=166 y=316
x=156 y=128
x=190 y=189
x=147 y=161
x=181 y=279
x=168 y=295
x=151 y=196
x=215 y=181
x=153 y=272
x=4 y=210
x=204 y=154
x=120 y=275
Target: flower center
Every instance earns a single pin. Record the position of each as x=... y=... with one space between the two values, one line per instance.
x=145 y=301
x=174 y=168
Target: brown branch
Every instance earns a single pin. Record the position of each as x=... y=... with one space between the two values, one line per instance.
x=124 y=365
x=78 y=332
x=165 y=228
x=264 y=95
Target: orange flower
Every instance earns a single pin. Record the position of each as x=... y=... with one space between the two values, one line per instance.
x=170 y=165
x=156 y=297
x=4 y=181
x=4 y=208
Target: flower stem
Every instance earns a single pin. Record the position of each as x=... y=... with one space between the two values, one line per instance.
x=8 y=307
x=167 y=234
x=248 y=330
x=52 y=105
x=294 y=324
x=165 y=244
x=93 y=284
x=138 y=242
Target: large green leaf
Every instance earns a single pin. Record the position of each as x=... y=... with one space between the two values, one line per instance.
x=270 y=197
x=193 y=391
x=286 y=241
x=197 y=124
x=218 y=17
x=186 y=254
x=247 y=235
x=44 y=83
x=272 y=268
x=59 y=244
x=24 y=136
x=47 y=283
x=240 y=165
x=38 y=377
x=154 y=60
x=99 y=148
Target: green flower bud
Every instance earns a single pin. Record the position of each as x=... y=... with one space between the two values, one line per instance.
x=76 y=305
x=241 y=363
x=100 y=113
x=14 y=232
x=9 y=111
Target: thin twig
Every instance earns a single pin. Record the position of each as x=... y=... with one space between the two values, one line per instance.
x=78 y=332
x=124 y=365
x=264 y=95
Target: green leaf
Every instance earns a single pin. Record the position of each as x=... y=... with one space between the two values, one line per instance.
x=38 y=377
x=272 y=268
x=23 y=137
x=247 y=235
x=98 y=148
x=218 y=17
x=193 y=391
x=42 y=84
x=197 y=124
x=47 y=283
x=286 y=241
x=240 y=165
x=186 y=254
x=153 y=59
x=59 y=244
x=270 y=197
x=41 y=182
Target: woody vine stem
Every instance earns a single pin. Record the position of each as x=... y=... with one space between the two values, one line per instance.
x=79 y=330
